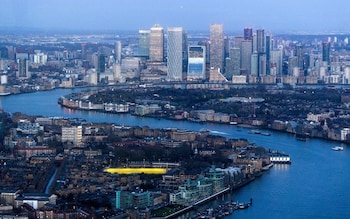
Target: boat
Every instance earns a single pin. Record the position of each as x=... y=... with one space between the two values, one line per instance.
x=267 y=167
x=338 y=148
x=265 y=133
x=233 y=123
x=254 y=131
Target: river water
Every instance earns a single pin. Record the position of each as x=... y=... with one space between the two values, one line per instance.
x=315 y=185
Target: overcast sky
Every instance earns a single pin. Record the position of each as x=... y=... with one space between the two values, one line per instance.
x=93 y=15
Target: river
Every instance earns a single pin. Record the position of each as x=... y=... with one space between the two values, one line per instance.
x=315 y=185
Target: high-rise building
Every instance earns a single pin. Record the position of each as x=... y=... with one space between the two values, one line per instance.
x=292 y=63
x=23 y=68
x=156 y=44
x=254 y=64
x=196 y=63
x=118 y=52
x=246 y=53
x=217 y=46
x=326 y=48
x=235 y=56
x=237 y=41
x=248 y=33
x=298 y=52
x=101 y=63
x=175 y=53
x=144 y=42
x=260 y=44
x=267 y=52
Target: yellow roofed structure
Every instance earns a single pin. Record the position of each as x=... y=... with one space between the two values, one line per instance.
x=136 y=170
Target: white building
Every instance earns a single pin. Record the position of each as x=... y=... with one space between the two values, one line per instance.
x=72 y=134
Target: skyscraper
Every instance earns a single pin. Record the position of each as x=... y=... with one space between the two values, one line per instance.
x=326 y=47
x=118 y=52
x=156 y=44
x=217 y=46
x=23 y=68
x=246 y=53
x=248 y=33
x=144 y=36
x=175 y=53
x=268 y=49
x=196 y=63
x=260 y=44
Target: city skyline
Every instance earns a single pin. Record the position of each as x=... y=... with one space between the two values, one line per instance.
x=111 y=15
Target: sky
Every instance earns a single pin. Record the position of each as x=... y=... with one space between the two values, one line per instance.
x=311 y=16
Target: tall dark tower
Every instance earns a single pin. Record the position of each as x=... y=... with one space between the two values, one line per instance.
x=101 y=63
x=268 y=56
x=248 y=33
x=326 y=48
x=299 y=54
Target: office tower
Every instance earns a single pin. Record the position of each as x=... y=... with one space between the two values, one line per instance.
x=226 y=47
x=268 y=49
x=292 y=63
x=118 y=52
x=235 y=56
x=156 y=44
x=175 y=53
x=216 y=46
x=254 y=64
x=101 y=62
x=246 y=53
x=260 y=44
x=276 y=62
x=248 y=33
x=237 y=41
x=298 y=52
x=144 y=42
x=233 y=63
x=196 y=63
x=255 y=40
x=326 y=47
x=262 y=65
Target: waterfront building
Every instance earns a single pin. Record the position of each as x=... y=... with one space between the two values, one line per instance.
x=72 y=134
x=175 y=53
x=216 y=177
x=139 y=199
x=156 y=44
x=118 y=52
x=217 y=47
x=143 y=49
x=196 y=63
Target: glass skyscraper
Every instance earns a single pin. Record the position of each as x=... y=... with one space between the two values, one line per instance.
x=175 y=53
x=144 y=42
